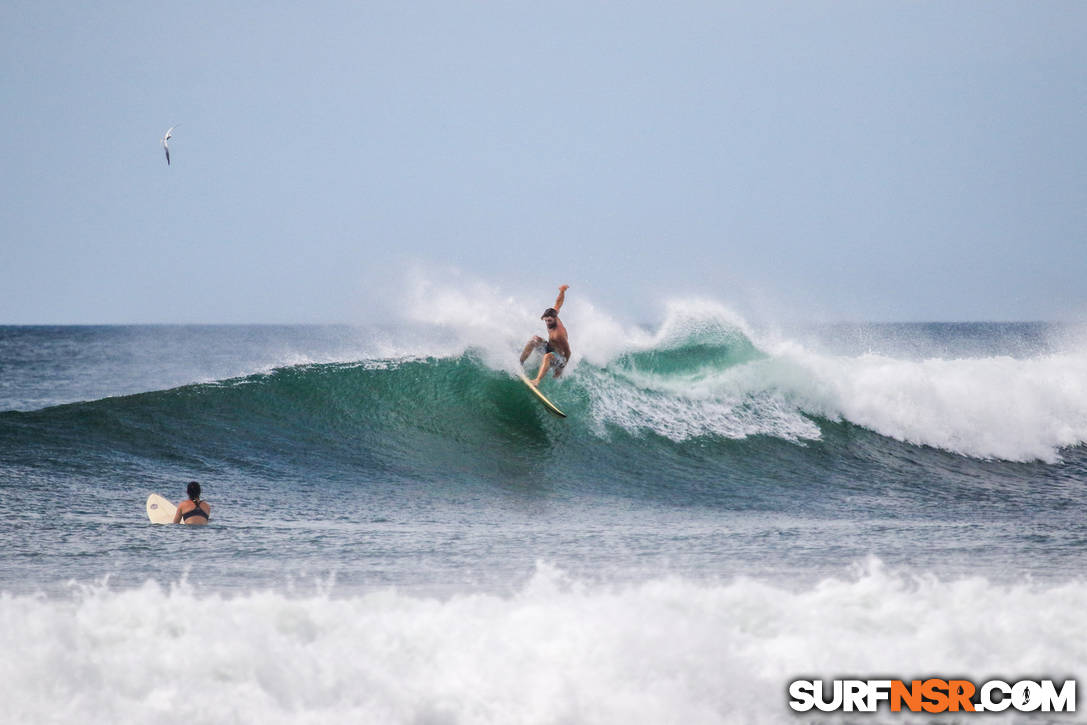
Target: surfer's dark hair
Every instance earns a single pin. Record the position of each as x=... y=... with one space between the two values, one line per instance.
x=194 y=490
x=550 y=312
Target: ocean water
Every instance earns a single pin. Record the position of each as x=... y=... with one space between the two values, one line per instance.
x=402 y=534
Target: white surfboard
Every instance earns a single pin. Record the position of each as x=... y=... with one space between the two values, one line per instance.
x=159 y=510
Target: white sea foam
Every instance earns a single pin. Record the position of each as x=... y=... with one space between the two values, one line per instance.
x=1017 y=409
x=667 y=650
x=731 y=402
x=1003 y=407
x=727 y=404
x=1011 y=408
x=997 y=407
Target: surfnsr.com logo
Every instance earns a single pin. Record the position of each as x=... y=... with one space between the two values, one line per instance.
x=933 y=695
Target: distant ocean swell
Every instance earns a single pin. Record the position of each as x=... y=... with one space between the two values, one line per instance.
x=557 y=650
x=707 y=383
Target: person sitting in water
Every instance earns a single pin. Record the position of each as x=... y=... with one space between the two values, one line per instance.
x=556 y=348
x=193 y=510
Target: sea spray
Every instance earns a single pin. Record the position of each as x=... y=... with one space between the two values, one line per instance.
x=558 y=649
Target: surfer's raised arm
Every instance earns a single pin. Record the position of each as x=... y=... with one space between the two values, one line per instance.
x=562 y=296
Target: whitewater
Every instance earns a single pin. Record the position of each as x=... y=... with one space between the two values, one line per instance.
x=400 y=533
x=665 y=650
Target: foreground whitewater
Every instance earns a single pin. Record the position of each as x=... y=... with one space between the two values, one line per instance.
x=665 y=650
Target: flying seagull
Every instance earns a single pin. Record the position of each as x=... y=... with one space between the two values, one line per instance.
x=166 y=145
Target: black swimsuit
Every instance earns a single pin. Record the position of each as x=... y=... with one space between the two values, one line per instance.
x=195 y=511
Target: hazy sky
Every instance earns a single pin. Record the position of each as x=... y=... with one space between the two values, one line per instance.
x=826 y=160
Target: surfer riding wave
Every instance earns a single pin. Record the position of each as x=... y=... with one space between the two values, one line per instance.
x=556 y=348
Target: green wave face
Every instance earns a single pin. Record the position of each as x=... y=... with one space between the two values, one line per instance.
x=703 y=416
x=412 y=419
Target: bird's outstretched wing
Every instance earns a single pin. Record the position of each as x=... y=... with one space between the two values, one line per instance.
x=166 y=137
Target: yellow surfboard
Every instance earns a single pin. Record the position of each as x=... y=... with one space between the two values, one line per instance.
x=543 y=398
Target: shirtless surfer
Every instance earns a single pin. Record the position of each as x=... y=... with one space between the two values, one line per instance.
x=556 y=348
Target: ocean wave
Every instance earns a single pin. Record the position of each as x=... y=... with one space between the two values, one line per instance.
x=555 y=650
x=705 y=371
x=996 y=407
x=702 y=373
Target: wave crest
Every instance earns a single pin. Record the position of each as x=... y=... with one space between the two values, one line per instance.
x=702 y=373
